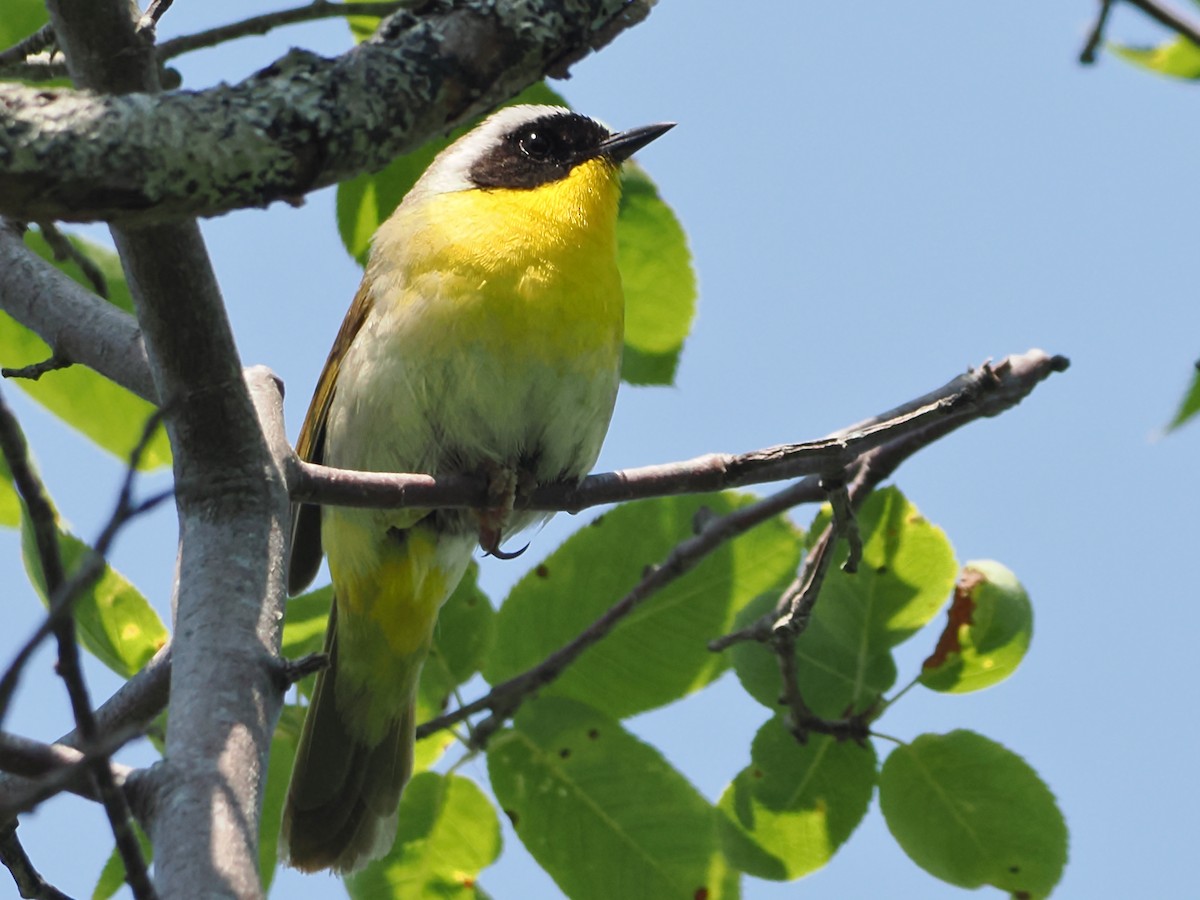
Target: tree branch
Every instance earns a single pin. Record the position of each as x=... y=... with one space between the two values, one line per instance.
x=1018 y=375
x=130 y=710
x=77 y=324
x=302 y=123
x=984 y=391
x=1170 y=18
x=504 y=699
x=233 y=515
x=57 y=767
x=40 y=40
x=44 y=524
x=255 y=25
x=30 y=883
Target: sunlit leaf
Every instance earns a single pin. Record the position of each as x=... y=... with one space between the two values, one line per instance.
x=788 y=812
x=603 y=813
x=115 y=623
x=112 y=876
x=990 y=624
x=279 y=775
x=1177 y=58
x=21 y=19
x=461 y=641
x=659 y=652
x=972 y=812
x=660 y=285
x=10 y=503
x=844 y=656
x=448 y=833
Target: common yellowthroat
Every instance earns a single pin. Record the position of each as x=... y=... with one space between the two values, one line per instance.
x=485 y=339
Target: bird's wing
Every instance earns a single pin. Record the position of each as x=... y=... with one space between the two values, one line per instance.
x=305 y=557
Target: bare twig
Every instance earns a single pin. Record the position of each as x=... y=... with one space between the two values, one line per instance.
x=792 y=613
x=65 y=251
x=1170 y=18
x=30 y=883
x=35 y=70
x=505 y=698
x=74 y=321
x=50 y=769
x=983 y=391
x=62 y=595
x=40 y=40
x=129 y=711
x=34 y=371
x=1087 y=55
x=309 y=12
x=1161 y=13
x=43 y=520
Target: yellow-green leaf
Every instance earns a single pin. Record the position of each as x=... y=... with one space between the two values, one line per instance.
x=989 y=626
x=114 y=622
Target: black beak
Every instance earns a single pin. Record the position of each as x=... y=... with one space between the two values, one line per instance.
x=619 y=147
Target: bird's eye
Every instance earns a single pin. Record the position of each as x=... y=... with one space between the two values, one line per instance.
x=535 y=145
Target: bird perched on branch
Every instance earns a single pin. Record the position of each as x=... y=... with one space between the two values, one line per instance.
x=485 y=339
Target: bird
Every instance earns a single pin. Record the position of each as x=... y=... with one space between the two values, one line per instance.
x=485 y=339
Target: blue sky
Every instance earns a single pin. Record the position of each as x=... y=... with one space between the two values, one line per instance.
x=877 y=196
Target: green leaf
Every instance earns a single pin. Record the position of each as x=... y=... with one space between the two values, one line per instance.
x=972 y=813
x=604 y=814
x=1190 y=404
x=112 y=876
x=448 y=833
x=660 y=285
x=788 y=812
x=114 y=622
x=362 y=27
x=21 y=19
x=1178 y=58
x=364 y=202
x=658 y=653
x=109 y=415
x=461 y=642
x=845 y=661
x=279 y=775
x=990 y=623
x=10 y=503
x=304 y=627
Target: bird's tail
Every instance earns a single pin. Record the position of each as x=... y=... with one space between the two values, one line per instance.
x=345 y=790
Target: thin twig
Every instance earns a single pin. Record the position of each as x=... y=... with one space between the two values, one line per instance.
x=792 y=613
x=40 y=40
x=504 y=699
x=1087 y=55
x=983 y=391
x=36 y=70
x=64 y=250
x=44 y=522
x=30 y=883
x=309 y=12
x=1170 y=18
x=34 y=371
x=61 y=600
x=50 y=769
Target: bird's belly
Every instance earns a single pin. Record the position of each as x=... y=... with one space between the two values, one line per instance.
x=443 y=384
